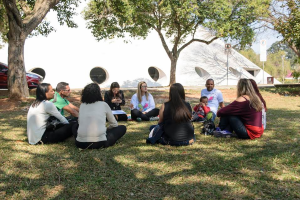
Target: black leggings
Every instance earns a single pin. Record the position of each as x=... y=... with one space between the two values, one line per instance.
x=112 y=136
x=58 y=135
x=121 y=117
x=234 y=123
x=136 y=113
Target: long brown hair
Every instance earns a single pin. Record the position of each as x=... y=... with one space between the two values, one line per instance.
x=179 y=110
x=258 y=93
x=245 y=87
x=112 y=86
x=139 y=92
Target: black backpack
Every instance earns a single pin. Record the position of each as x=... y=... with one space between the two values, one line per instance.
x=208 y=127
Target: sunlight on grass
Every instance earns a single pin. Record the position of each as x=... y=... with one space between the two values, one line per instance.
x=212 y=168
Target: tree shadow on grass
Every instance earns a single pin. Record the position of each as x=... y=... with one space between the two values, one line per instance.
x=212 y=168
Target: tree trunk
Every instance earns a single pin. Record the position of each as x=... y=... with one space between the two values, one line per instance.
x=173 y=71
x=17 y=84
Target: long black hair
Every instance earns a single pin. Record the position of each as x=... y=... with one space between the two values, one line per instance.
x=112 y=86
x=91 y=93
x=179 y=110
x=41 y=91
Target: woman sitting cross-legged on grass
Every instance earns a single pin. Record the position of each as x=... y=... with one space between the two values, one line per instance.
x=175 y=119
x=143 y=105
x=115 y=99
x=243 y=116
x=38 y=114
x=93 y=112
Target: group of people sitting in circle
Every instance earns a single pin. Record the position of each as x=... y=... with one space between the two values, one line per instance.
x=175 y=117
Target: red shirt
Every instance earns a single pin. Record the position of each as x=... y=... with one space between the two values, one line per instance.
x=248 y=115
x=201 y=110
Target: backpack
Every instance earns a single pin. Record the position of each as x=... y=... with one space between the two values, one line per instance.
x=155 y=134
x=208 y=127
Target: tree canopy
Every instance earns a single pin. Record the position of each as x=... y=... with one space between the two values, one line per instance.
x=273 y=65
x=176 y=20
x=289 y=53
x=284 y=17
x=20 y=19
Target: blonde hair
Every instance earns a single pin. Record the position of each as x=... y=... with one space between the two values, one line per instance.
x=139 y=92
x=245 y=87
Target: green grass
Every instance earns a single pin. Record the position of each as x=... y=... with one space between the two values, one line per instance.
x=212 y=168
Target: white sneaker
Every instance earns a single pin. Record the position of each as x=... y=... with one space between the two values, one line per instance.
x=154 y=119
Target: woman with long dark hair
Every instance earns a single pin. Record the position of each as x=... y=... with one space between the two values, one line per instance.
x=115 y=99
x=243 y=116
x=175 y=118
x=38 y=114
x=143 y=105
x=93 y=112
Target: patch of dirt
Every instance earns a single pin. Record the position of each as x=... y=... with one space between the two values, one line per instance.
x=228 y=94
x=7 y=104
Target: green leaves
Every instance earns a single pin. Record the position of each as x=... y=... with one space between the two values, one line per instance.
x=177 y=18
x=3 y=24
x=65 y=11
x=285 y=18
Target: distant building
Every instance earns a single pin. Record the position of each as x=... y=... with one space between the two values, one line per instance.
x=78 y=59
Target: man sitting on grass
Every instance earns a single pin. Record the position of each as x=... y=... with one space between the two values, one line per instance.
x=62 y=92
x=215 y=97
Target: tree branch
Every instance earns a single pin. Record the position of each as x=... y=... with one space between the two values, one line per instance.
x=12 y=12
x=163 y=41
x=40 y=10
x=26 y=9
x=196 y=40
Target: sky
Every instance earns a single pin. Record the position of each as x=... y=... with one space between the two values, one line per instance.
x=77 y=43
x=270 y=36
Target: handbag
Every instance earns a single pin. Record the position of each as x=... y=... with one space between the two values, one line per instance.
x=208 y=127
x=53 y=123
x=155 y=134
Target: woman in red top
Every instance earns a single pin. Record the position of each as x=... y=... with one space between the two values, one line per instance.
x=243 y=116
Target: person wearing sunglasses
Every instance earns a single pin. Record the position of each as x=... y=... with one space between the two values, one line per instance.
x=62 y=92
x=143 y=105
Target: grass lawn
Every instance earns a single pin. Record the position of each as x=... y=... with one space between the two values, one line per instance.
x=212 y=168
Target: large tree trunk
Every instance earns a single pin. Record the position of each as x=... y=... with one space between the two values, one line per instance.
x=19 y=29
x=17 y=84
x=173 y=71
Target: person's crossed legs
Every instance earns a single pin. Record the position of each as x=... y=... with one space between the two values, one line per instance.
x=234 y=123
x=145 y=117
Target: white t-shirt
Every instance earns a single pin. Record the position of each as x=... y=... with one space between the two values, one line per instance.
x=145 y=105
x=37 y=119
x=214 y=98
x=92 y=122
x=264 y=117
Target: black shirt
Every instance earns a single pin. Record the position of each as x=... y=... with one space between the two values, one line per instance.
x=176 y=132
x=114 y=106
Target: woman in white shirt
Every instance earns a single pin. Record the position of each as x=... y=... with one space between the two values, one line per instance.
x=38 y=114
x=93 y=112
x=143 y=105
